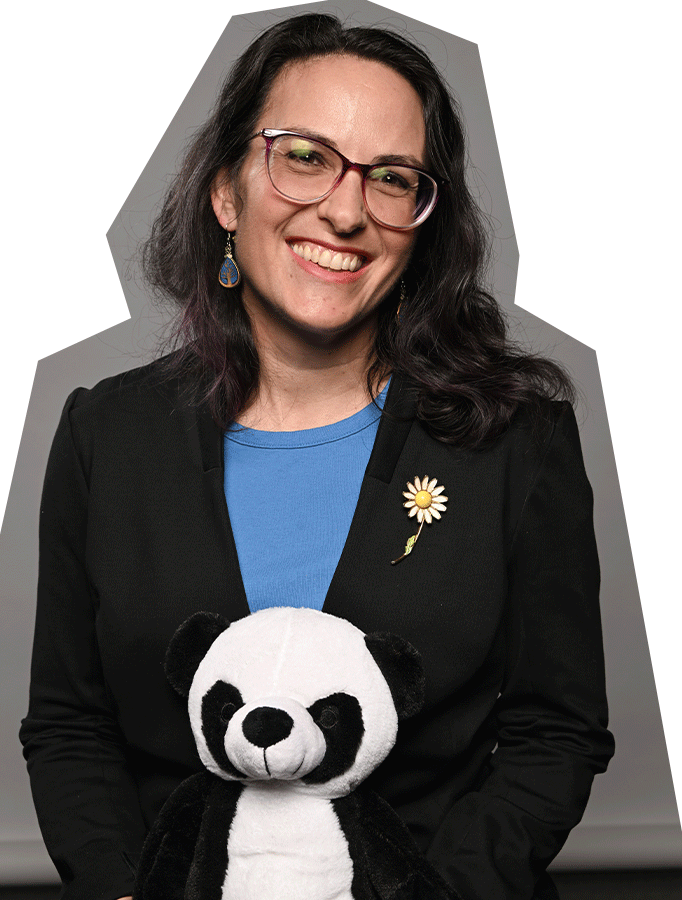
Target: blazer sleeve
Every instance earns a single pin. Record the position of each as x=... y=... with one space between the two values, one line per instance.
x=495 y=843
x=84 y=795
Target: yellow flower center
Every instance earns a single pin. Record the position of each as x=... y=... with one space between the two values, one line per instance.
x=422 y=499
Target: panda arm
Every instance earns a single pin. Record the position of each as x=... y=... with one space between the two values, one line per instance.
x=387 y=864
x=168 y=852
x=207 y=874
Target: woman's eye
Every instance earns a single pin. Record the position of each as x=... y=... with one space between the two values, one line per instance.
x=328 y=717
x=388 y=179
x=227 y=711
x=387 y=176
x=305 y=156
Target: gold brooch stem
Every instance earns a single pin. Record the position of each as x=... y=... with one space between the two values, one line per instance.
x=409 y=545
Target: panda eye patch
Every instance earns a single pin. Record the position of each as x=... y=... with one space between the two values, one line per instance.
x=342 y=710
x=220 y=703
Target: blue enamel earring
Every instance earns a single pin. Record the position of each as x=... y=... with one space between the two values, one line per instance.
x=229 y=275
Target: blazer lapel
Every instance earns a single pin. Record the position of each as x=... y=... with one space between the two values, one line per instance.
x=371 y=520
x=394 y=427
x=211 y=450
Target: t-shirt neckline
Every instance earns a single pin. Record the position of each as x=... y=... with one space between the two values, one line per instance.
x=309 y=437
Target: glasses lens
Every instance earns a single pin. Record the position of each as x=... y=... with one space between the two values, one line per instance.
x=302 y=169
x=398 y=196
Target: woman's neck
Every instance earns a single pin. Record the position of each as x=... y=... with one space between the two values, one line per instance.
x=308 y=384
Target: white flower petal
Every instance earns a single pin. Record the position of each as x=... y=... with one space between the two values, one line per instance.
x=438 y=490
x=409 y=494
x=427 y=516
x=425 y=481
x=415 y=511
x=420 y=515
x=438 y=506
x=412 y=487
x=432 y=484
x=409 y=504
x=441 y=499
x=434 y=512
x=418 y=484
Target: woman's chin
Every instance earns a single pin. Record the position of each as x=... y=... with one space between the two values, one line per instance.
x=314 y=318
x=320 y=326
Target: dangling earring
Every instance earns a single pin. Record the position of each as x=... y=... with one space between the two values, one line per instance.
x=403 y=298
x=229 y=275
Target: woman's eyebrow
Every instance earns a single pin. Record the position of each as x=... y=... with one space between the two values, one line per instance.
x=389 y=159
x=315 y=135
x=393 y=159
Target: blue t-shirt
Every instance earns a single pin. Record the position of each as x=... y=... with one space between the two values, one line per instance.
x=291 y=496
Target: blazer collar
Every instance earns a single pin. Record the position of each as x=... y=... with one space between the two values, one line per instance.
x=394 y=426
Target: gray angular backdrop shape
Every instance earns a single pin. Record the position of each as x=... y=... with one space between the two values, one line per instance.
x=632 y=817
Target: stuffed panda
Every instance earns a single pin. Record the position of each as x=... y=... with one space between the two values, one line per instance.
x=290 y=709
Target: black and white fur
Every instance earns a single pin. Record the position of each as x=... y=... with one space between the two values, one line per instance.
x=291 y=709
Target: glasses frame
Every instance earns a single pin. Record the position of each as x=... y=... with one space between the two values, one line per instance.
x=270 y=135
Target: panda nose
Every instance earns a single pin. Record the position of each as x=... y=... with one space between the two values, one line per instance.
x=266 y=726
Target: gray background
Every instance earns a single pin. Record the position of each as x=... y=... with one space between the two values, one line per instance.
x=632 y=818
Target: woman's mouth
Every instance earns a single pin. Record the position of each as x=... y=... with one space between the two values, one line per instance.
x=326 y=258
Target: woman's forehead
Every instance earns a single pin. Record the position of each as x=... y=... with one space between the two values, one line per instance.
x=361 y=106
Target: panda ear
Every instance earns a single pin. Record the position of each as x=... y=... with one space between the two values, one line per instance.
x=401 y=666
x=188 y=646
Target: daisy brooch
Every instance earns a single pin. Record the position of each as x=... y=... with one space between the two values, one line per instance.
x=425 y=500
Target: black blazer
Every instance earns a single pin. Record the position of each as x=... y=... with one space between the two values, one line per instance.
x=500 y=596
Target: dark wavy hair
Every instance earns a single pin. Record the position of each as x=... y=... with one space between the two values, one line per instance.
x=450 y=339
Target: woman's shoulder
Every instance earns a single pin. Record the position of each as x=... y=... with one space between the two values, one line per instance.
x=516 y=448
x=543 y=452
x=535 y=427
x=141 y=406
x=538 y=431
x=157 y=387
x=539 y=440
x=530 y=431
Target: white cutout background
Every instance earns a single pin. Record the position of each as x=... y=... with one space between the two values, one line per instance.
x=585 y=108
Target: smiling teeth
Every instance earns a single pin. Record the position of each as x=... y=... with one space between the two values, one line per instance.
x=338 y=262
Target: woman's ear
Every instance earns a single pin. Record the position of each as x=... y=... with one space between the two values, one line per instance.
x=224 y=201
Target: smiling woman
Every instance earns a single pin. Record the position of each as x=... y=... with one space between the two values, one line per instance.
x=298 y=297
x=334 y=343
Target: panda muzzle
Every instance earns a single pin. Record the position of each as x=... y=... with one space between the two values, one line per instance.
x=276 y=739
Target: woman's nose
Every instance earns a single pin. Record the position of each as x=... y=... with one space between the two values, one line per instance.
x=345 y=207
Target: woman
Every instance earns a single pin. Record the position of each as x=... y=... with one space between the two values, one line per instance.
x=334 y=160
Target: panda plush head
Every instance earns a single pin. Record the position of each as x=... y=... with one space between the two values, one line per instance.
x=293 y=696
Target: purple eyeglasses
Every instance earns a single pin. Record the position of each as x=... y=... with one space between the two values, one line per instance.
x=306 y=170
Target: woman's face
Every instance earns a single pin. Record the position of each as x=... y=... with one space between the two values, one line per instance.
x=367 y=111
